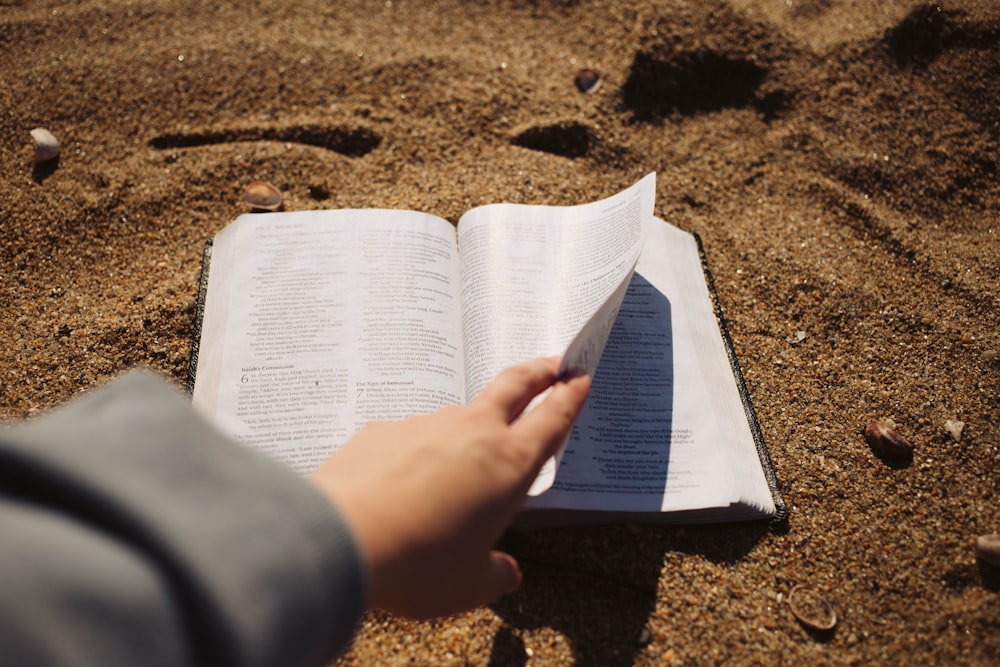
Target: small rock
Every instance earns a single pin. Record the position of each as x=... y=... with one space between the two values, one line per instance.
x=811 y=609
x=988 y=549
x=46 y=145
x=886 y=443
x=797 y=338
x=645 y=637
x=318 y=192
x=954 y=428
x=262 y=196
x=588 y=81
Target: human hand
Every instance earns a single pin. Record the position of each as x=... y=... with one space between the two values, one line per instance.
x=428 y=497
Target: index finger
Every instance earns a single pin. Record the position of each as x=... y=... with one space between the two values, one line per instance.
x=511 y=392
x=550 y=421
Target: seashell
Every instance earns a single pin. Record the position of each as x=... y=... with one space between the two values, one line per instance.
x=988 y=549
x=954 y=428
x=262 y=196
x=812 y=610
x=46 y=145
x=588 y=80
x=886 y=443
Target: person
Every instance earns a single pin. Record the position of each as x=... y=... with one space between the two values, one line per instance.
x=132 y=532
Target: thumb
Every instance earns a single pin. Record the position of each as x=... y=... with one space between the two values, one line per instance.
x=504 y=575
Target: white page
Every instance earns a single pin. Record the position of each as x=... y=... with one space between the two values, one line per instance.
x=332 y=319
x=719 y=398
x=533 y=276
x=664 y=427
x=547 y=280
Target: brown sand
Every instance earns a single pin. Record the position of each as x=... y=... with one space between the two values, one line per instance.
x=838 y=157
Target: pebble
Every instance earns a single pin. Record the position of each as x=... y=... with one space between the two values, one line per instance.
x=46 y=145
x=588 y=81
x=886 y=443
x=811 y=609
x=954 y=428
x=262 y=196
x=988 y=549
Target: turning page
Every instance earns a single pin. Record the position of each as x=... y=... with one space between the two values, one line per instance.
x=547 y=280
x=533 y=276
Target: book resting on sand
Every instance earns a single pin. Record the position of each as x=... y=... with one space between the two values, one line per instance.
x=314 y=323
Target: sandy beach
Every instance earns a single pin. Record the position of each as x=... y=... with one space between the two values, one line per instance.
x=838 y=158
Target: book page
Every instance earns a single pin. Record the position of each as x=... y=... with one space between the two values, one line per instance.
x=664 y=428
x=533 y=276
x=319 y=322
x=547 y=280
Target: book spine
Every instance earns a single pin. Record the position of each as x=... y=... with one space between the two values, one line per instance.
x=199 y=316
x=781 y=509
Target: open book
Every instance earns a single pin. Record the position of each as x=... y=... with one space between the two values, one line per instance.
x=315 y=323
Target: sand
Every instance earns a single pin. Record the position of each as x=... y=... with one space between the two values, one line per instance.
x=838 y=158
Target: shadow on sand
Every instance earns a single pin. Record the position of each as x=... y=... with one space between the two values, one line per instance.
x=598 y=585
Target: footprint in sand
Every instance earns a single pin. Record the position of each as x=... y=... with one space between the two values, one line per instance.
x=568 y=139
x=352 y=142
x=691 y=82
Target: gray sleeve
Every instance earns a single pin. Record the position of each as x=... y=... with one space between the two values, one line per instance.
x=132 y=532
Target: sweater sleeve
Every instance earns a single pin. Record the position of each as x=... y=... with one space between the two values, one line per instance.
x=134 y=533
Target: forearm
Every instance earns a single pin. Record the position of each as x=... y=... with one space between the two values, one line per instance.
x=236 y=558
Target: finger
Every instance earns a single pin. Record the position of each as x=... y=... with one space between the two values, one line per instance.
x=500 y=575
x=514 y=388
x=506 y=572
x=548 y=423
